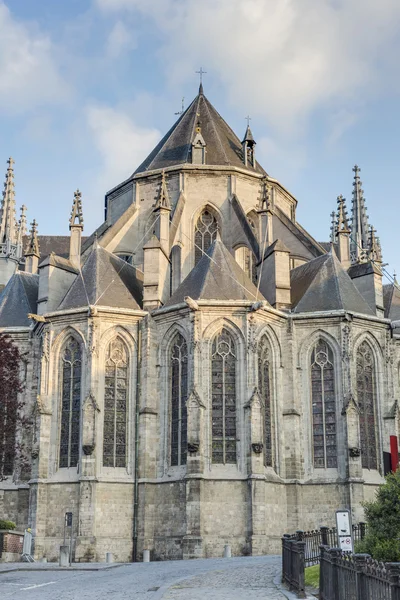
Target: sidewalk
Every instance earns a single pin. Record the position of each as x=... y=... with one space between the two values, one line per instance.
x=38 y=566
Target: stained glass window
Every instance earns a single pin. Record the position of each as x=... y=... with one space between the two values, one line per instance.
x=366 y=404
x=115 y=405
x=8 y=418
x=264 y=385
x=179 y=393
x=70 y=404
x=205 y=233
x=223 y=383
x=323 y=406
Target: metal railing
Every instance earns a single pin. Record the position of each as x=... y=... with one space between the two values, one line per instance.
x=293 y=552
x=324 y=536
x=345 y=576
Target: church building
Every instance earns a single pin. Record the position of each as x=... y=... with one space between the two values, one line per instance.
x=199 y=371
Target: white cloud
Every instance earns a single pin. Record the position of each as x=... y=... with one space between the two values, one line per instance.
x=29 y=75
x=279 y=60
x=122 y=144
x=120 y=39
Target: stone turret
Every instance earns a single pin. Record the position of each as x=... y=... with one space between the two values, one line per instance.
x=342 y=233
x=76 y=228
x=11 y=232
x=32 y=253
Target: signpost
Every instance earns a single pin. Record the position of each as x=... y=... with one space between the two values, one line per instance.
x=344 y=531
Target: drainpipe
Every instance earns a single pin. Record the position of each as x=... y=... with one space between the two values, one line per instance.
x=136 y=480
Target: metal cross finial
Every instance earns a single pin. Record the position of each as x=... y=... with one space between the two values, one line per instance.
x=248 y=119
x=201 y=73
x=183 y=107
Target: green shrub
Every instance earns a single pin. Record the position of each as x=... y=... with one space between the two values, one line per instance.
x=7 y=524
x=382 y=541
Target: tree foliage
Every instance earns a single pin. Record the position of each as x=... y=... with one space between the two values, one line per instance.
x=10 y=405
x=382 y=541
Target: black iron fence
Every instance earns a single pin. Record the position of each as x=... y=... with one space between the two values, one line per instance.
x=293 y=565
x=345 y=576
x=324 y=536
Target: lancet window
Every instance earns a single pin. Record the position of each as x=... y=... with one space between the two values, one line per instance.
x=70 y=403
x=223 y=375
x=366 y=403
x=205 y=233
x=115 y=404
x=264 y=386
x=179 y=394
x=8 y=417
x=323 y=406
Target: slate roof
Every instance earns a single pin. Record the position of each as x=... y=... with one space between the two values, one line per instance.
x=17 y=299
x=391 y=301
x=223 y=147
x=59 y=244
x=217 y=276
x=322 y=284
x=60 y=262
x=106 y=281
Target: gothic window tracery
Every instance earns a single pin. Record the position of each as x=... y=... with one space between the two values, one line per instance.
x=264 y=386
x=70 y=403
x=8 y=414
x=205 y=233
x=366 y=403
x=223 y=382
x=115 y=405
x=179 y=393
x=323 y=406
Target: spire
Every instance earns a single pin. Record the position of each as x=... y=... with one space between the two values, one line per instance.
x=32 y=248
x=201 y=91
x=248 y=146
x=374 y=246
x=333 y=238
x=163 y=198
x=76 y=219
x=8 y=229
x=359 y=224
x=21 y=231
x=342 y=225
x=248 y=137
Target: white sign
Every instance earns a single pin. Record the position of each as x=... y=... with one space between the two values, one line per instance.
x=346 y=544
x=344 y=530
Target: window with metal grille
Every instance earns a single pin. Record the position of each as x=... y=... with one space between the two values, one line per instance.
x=366 y=403
x=264 y=385
x=115 y=404
x=179 y=393
x=8 y=418
x=70 y=403
x=205 y=233
x=323 y=406
x=223 y=376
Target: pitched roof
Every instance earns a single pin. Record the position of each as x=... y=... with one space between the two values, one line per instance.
x=391 y=301
x=59 y=244
x=106 y=281
x=58 y=261
x=217 y=276
x=322 y=284
x=222 y=144
x=18 y=299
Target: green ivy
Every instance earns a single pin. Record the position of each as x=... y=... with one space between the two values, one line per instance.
x=9 y=525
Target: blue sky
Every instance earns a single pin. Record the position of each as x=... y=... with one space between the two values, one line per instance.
x=87 y=87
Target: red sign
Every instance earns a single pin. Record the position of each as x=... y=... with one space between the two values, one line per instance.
x=394 y=452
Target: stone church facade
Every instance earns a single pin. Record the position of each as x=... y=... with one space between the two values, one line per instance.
x=200 y=370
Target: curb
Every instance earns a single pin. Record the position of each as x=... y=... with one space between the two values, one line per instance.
x=289 y=595
x=64 y=569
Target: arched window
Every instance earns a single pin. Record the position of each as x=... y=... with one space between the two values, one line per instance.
x=71 y=403
x=264 y=386
x=204 y=234
x=8 y=419
x=223 y=385
x=323 y=406
x=247 y=261
x=179 y=393
x=115 y=404
x=366 y=404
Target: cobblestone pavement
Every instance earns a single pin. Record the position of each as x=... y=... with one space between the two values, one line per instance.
x=244 y=578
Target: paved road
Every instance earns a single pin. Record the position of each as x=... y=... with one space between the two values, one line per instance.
x=248 y=578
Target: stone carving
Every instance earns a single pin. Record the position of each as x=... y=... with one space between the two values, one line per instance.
x=257 y=447
x=193 y=447
x=354 y=452
x=88 y=449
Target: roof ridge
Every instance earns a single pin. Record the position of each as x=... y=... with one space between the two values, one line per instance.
x=335 y=260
